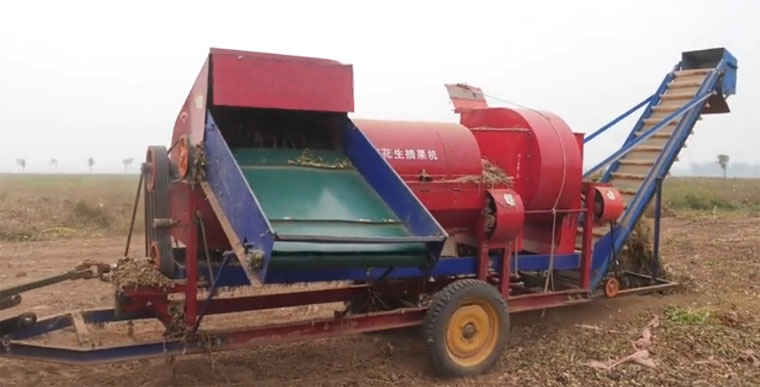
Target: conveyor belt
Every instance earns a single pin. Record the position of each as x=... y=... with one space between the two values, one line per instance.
x=698 y=85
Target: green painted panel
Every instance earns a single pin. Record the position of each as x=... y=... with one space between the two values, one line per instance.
x=271 y=156
x=293 y=192
x=345 y=261
x=308 y=200
x=286 y=191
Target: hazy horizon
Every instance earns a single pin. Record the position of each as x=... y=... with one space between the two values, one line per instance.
x=105 y=80
x=705 y=169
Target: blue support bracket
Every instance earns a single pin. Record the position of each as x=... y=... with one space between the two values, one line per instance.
x=239 y=206
x=646 y=135
x=389 y=185
x=619 y=118
x=644 y=115
x=606 y=247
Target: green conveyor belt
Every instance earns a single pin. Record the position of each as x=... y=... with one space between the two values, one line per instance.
x=335 y=202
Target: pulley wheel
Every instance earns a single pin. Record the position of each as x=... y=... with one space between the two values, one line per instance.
x=183 y=156
x=157 y=179
x=612 y=287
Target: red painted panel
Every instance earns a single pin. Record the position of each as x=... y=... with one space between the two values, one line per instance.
x=510 y=214
x=180 y=195
x=507 y=148
x=466 y=97
x=579 y=138
x=524 y=303
x=440 y=149
x=537 y=235
x=455 y=206
x=259 y=80
x=550 y=162
x=433 y=157
x=192 y=117
x=611 y=202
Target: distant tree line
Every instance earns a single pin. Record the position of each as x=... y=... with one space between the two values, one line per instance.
x=53 y=164
x=708 y=168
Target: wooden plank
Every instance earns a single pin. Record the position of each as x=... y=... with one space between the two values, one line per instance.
x=666 y=108
x=646 y=148
x=630 y=176
x=80 y=328
x=690 y=72
x=653 y=122
x=680 y=94
x=684 y=84
x=657 y=134
x=636 y=162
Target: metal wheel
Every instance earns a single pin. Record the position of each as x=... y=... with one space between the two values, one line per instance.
x=183 y=156
x=158 y=239
x=612 y=287
x=466 y=328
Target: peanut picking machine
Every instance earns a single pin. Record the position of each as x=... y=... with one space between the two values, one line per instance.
x=451 y=226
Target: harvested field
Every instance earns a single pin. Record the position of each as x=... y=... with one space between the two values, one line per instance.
x=707 y=333
x=50 y=207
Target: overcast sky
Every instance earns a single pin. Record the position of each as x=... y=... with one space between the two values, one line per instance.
x=101 y=80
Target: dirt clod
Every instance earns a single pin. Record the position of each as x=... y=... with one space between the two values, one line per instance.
x=139 y=272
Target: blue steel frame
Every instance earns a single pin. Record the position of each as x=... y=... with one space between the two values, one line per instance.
x=644 y=115
x=608 y=245
x=224 y=276
x=388 y=184
x=223 y=340
x=619 y=118
x=721 y=80
x=657 y=217
x=711 y=58
x=247 y=218
x=444 y=267
x=629 y=146
x=240 y=206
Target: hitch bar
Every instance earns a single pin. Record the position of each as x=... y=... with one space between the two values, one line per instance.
x=11 y=297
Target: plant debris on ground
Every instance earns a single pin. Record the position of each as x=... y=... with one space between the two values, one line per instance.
x=139 y=272
x=717 y=251
x=310 y=159
x=492 y=175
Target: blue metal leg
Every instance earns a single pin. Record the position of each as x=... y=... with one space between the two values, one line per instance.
x=657 y=216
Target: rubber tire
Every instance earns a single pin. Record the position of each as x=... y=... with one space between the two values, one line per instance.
x=443 y=306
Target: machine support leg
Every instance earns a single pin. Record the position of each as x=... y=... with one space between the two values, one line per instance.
x=211 y=292
x=657 y=217
x=483 y=261
x=506 y=271
x=191 y=269
x=588 y=233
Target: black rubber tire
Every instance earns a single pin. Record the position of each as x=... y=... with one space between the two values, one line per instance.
x=444 y=304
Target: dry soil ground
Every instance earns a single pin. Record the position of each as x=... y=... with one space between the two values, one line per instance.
x=708 y=333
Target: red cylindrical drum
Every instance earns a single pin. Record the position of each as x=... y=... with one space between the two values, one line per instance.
x=608 y=204
x=440 y=162
x=442 y=150
x=509 y=213
x=537 y=149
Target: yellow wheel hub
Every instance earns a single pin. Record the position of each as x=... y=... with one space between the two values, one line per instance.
x=472 y=333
